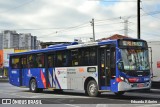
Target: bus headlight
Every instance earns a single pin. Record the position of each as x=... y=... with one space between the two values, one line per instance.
x=122 y=78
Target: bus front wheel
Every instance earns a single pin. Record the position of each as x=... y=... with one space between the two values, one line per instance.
x=33 y=86
x=92 y=89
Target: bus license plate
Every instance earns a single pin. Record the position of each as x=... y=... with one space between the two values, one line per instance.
x=140 y=85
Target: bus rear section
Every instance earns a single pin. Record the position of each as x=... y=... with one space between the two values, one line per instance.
x=26 y=69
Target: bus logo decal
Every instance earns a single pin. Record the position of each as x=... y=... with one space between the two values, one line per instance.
x=81 y=69
x=58 y=72
x=29 y=73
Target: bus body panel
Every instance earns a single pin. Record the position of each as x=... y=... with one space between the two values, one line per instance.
x=75 y=77
x=14 y=77
x=51 y=74
x=114 y=86
x=142 y=83
x=36 y=73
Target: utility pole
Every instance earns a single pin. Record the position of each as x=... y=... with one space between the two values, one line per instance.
x=126 y=27
x=92 y=24
x=138 y=20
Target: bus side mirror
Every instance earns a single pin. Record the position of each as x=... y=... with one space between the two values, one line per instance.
x=120 y=66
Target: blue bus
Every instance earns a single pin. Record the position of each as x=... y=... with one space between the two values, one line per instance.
x=112 y=65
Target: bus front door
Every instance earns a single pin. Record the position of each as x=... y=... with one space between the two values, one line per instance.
x=23 y=70
x=104 y=68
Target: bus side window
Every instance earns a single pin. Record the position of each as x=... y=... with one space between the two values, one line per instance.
x=93 y=57
x=50 y=61
x=74 y=57
x=24 y=62
x=39 y=62
x=15 y=63
x=30 y=62
x=59 y=59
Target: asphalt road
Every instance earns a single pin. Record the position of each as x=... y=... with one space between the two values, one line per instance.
x=79 y=99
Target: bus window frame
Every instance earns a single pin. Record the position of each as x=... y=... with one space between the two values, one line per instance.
x=18 y=66
x=36 y=63
x=79 y=53
x=61 y=63
x=53 y=59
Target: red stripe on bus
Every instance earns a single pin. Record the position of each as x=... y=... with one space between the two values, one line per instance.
x=43 y=79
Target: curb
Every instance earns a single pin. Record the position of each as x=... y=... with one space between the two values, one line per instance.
x=4 y=80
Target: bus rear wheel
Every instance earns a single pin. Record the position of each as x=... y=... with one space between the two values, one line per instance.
x=92 y=89
x=33 y=86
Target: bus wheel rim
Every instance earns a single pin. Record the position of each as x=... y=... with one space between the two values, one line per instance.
x=92 y=89
x=33 y=86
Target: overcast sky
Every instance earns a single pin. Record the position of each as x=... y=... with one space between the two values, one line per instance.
x=64 y=20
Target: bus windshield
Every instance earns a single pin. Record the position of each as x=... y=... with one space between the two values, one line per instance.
x=135 y=59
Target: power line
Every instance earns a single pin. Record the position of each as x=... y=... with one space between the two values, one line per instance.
x=61 y=29
x=11 y=9
x=121 y=0
x=147 y=13
x=70 y=27
x=110 y=19
x=112 y=1
x=107 y=24
x=89 y=33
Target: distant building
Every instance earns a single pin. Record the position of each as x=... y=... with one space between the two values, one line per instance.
x=11 y=39
x=116 y=36
x=1 y=41
x=38 y=44
x=8 y=38
x=22 y=43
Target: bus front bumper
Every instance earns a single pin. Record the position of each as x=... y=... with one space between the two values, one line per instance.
x=123 y=86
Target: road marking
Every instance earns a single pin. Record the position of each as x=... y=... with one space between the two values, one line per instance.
x=14 y=94
x=155 y=89
x=135 y=94
x=102 y=105
x=71 y=105
x=150 y=105
x=38 y=96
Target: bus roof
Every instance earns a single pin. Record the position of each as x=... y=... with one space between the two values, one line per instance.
x=69 y=46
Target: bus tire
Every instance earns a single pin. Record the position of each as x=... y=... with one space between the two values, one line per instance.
x=33 y=86
x=92 y=88
x=120 y=93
